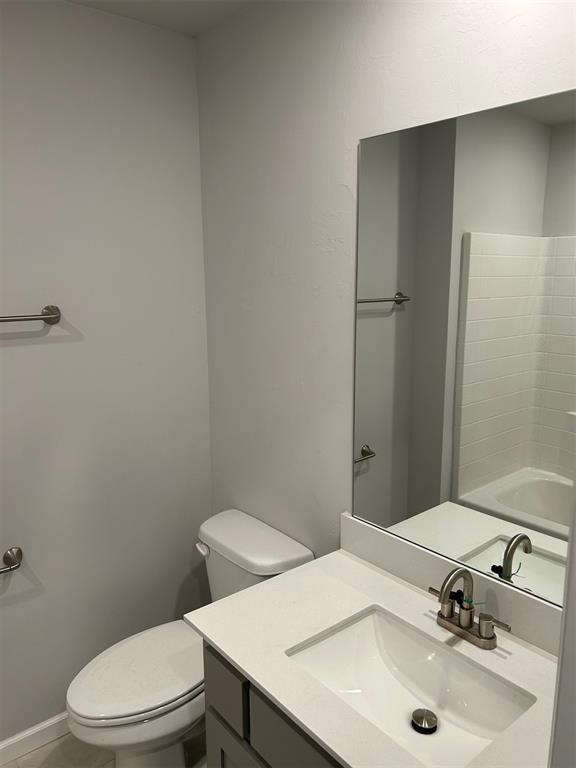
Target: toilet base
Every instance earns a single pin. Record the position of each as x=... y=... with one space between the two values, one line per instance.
x=168 y=757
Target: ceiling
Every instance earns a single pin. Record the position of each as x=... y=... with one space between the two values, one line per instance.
x=189 y=17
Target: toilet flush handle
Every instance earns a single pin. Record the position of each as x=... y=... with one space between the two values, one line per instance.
x=204 y=549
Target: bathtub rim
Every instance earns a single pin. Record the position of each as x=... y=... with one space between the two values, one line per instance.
x=478 y=499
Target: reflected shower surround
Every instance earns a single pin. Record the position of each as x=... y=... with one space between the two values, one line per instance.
x=514 y=436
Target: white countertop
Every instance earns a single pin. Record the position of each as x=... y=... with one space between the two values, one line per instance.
x=254 y=628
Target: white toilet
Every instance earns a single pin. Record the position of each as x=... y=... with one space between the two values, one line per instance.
x=144 y=696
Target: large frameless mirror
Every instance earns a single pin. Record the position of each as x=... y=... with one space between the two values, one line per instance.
x=465 y=374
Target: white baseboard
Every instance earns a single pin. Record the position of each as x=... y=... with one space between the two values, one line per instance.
x=33 y=738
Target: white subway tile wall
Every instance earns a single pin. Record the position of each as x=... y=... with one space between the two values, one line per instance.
x=517 y=349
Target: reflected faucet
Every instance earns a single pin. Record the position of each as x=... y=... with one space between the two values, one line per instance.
x=505 y=570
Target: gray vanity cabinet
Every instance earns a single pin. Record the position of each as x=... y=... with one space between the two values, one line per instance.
x=245 y=730
x=225 y=748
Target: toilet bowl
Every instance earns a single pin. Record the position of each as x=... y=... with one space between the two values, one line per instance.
x=143 y=697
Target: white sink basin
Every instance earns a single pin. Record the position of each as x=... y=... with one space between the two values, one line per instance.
x=541 y=572
x=385 y=669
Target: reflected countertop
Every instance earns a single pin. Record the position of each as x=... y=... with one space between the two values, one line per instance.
x=460 y=532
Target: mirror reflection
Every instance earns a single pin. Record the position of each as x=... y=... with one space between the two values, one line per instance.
x=465 y=377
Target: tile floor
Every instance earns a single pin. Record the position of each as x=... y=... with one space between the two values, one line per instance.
x=68 y=752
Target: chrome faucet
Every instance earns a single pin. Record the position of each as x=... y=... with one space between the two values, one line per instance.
x=462 y=624
x=505 y=570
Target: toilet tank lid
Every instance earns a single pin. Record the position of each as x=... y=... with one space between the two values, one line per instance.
x=252 y=544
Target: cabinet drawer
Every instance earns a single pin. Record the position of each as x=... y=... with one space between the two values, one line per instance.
x=226 y=691
x=281 y=743
x=225 y=748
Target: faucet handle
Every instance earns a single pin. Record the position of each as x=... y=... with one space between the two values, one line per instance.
x=458 y=597
x=501 y=625
x=486 y=624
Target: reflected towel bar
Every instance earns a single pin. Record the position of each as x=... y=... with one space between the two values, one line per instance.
x=50 y=314
x=365 y=453
x=398 y=298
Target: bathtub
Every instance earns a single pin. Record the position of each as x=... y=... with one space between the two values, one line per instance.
x=532 y=497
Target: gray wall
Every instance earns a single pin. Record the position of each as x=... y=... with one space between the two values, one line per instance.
x=501 y=169
x=431 y=302
x=387 y=228
x=560 y=202
x=287 y=91
x=405 y=199
x=104 y=444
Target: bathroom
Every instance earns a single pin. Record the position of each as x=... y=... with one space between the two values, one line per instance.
x=182 y=179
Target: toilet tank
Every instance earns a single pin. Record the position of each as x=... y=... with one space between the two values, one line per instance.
x=241 y=551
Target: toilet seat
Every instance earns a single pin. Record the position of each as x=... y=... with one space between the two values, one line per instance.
x=146 y=735
x=140 y=678
x=141 y=717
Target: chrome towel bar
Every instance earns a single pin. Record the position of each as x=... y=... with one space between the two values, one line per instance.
x=50 y=315
x=398 y=298
x=12 y=559
x=365 y=453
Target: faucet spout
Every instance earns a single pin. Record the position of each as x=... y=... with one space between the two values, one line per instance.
x=521 y=539
x=448 y=585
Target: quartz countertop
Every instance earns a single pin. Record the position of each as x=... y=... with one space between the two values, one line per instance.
x=254 y=628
